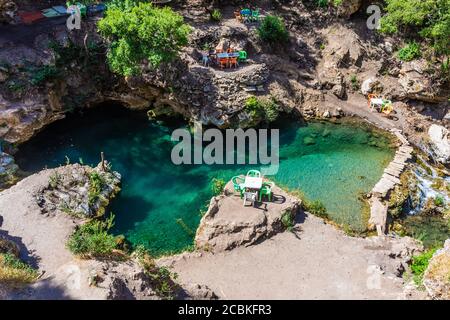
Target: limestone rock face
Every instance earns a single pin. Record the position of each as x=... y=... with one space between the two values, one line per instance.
x=228 y=224
x=417 y=85
x=436 y=278
x=79 y=190
x=349 y=7
x=369 y=85
x=440 y=143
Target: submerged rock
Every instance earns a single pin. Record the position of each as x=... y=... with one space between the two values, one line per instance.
x=228 y=224
x=436 y=278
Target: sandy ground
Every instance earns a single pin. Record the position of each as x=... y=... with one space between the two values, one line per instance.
x=318 y=262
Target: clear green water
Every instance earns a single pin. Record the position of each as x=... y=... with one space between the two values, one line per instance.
x=344 y=161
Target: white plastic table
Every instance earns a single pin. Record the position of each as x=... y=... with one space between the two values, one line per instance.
x=253 y=182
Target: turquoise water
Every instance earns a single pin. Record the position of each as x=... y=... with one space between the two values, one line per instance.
x=160 y=202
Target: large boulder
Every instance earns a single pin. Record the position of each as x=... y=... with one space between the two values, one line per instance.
x=436 y=278
x=228 y=224
x=439 y=143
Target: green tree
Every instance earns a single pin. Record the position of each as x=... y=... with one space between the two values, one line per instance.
x=431 y=18
x=139 y=32
x=272 y=30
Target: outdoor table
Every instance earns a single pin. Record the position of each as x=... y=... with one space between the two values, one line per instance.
x=227 y=55
x=253 y=182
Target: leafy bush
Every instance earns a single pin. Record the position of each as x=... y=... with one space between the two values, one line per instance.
x=272 y=30
x=409 y=52
x=138 y=32
x=420 y=263
x=92 y=239
x=322 y=3
x=262 y=109
x=355 y=82
x=430 y=17
x=44 y=74
x=337 y=3
x=217 y=186
x=287 y=219
x=216 y=15
x=96 y=184
x=439 y=201
x=14 y=272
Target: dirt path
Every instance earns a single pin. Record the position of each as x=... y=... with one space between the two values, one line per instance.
x=319 y=263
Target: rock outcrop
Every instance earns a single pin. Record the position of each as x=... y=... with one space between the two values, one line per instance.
x=228 y=224
x=436 y=278
x=439 y=138
x=79 y=190
x=417 y=84
x=8 y=11
x=8 y=169
x=349 y=7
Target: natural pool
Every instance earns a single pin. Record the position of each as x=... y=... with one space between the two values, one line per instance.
x=159 y=205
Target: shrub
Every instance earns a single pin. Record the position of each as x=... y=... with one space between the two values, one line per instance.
x=161 y=277
x=322 y=3
x=216 y=15
x=419 y=264
x=92 y=239
x=217 y=186
x=439 y=201
x=272 y=30
x=431 y=17
x=96 y=184
x=262 y=109
x=44 y=74
x=287 y=219
x=14 y=272
x=138 y=32
x=409 y=52
x=337 y=3
x=355 y=82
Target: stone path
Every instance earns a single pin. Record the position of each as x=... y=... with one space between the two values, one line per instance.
x=389 y=179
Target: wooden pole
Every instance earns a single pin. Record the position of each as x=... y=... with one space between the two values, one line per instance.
x=103 y=160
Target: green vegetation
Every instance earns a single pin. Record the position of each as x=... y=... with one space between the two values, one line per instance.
x=315 y=207
x=54 y=180
x=216 y=15
x=409 y=52
x=439 y=201
x=337 y=3
x=287 y=219
x=272 y=30
x=14 y=272
x=44 y=74
x=138 y=32
x=322 y=3
x=431 y=18
x=354 y=81
x=262 y=109
x=96 y=184
x=217 y=186
x=92 y=239
x=161 y=277
x=420 y=263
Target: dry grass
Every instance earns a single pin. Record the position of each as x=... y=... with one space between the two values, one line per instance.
x=15 y=273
